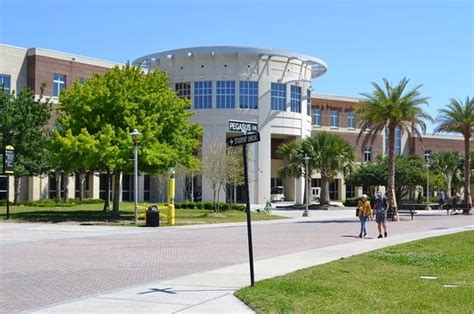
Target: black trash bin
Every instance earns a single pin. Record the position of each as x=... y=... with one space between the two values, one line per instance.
x=152 y=216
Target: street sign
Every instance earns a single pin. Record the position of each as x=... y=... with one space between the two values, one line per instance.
x=243 y=139
x=243 y=126
x=8 y=160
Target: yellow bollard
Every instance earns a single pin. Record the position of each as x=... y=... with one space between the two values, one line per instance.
x=171 y=196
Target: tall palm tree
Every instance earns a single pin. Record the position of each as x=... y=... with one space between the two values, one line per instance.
x=458 y=117
x=391 y=107
x=329 y=154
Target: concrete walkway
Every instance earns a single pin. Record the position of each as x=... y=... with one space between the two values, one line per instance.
x=212 y=291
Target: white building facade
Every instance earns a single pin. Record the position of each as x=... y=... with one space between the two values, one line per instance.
x=269 y=87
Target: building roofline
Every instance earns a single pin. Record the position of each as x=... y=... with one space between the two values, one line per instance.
x=333 y=97
x=318 y=67
x=71 y=57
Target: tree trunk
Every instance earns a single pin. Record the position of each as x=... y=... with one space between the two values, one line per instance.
x=391 y=168
x=16 y=189
x=448 y=189
x=116 y=195
x=106 y=208
x=324 y=188
x=64 y=184
x=82 y=180
x=467 y=173
x=58 y=185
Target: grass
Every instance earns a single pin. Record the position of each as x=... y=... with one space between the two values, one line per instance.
x=92 y=214
x=386 y=280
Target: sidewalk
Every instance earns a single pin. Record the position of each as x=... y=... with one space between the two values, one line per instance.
x=212 y=291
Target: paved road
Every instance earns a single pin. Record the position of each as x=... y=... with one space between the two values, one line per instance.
x=42 y=265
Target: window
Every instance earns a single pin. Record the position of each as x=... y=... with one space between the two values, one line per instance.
x=278 y=96
x=351 y=120
x=350 y=191
x=248 y=94
x=128 y=185
x=3 y=187
x=225 y=94
x=203 y=94
x=334 y=118
x=183 y=90
x=308 y=102
x=427 y=154
x=368 y=154
x=59 y=84
x=398 y=141
x=82 y=80
x=77 y=189
x=146 y=187
x=5 y=81
x=317 y=117
x=295 y=98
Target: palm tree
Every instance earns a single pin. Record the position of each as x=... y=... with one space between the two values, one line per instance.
x=294 y=156
x=391 y=107
x=446 y=164
x=458 y=117
x=328 y=154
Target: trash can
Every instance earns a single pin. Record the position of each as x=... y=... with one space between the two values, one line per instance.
x=152 y=216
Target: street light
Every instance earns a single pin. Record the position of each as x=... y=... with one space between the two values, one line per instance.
x=427 y=185
x=136 y=140
x=306 y=161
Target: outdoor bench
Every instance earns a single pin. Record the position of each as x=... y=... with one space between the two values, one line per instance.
x=453 y=208
x=407 y=210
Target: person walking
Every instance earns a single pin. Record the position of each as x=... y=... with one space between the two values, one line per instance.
x=442 y=198
x=364 y=209
x=380 y=206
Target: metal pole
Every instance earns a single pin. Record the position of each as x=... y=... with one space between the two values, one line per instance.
x=135 y=157
x=8 y=196
x=247 y=211
x=427 y=188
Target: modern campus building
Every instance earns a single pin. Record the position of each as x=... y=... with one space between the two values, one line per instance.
x=266 y=86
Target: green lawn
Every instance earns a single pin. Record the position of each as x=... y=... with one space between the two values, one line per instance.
x=386 y=280
x=92 y=214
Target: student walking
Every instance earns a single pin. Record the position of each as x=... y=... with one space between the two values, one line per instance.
x=364 y=210
x=380 y=206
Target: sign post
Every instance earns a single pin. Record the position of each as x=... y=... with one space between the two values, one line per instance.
x=243 y=140
x=8 y=169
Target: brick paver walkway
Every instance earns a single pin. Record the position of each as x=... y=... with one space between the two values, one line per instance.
x=36 y=274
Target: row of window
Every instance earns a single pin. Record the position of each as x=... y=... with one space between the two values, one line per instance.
x=334 y=119
x=248 y=95
x=59 y=83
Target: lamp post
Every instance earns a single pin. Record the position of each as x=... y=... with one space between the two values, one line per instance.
x=427 y=186
x=306 y=161
x=136 y=140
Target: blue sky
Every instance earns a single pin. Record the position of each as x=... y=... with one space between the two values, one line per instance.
x=430 y=42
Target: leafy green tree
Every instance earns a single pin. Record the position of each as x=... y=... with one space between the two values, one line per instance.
x=458 y=117
x=110 y=105
x=23 y=124
x=389 y=107
x=368 y=175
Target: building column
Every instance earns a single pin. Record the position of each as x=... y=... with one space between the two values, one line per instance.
x=34 y=188
x=71 y=186
x=94 y=185
x=141 y=186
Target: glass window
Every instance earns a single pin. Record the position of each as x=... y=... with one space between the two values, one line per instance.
x=77 y=189
x=368 y=154
x=183 y=90
x=203 y=94
x=5 y=81
x=350 y=191
x=82 y=80
x=278 y=96
x=398 y=141
x=317 y=117
x=295 y=98
x=225 y=94
x=3 y=187
x=351 y=120
x=59 y=84
x=146 y=188
x=335 y=118
x=248 y=94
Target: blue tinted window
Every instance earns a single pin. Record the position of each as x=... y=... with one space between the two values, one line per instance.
x=308 y=102
x=225 y=94
x=5 y=81
x=59 y=84
x=295 y=98
x=335 y=118
x=203 y=94
x=351 y=120
x=278 y=96
x=317 y=117
x=398 y=141
x=248 y=94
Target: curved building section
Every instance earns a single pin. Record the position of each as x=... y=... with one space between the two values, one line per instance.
x=267 y=86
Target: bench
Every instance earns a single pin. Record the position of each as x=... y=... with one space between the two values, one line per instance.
x=407 y=210
x=453 y=208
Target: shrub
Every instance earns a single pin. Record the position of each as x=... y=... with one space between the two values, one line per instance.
x=208 y=205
